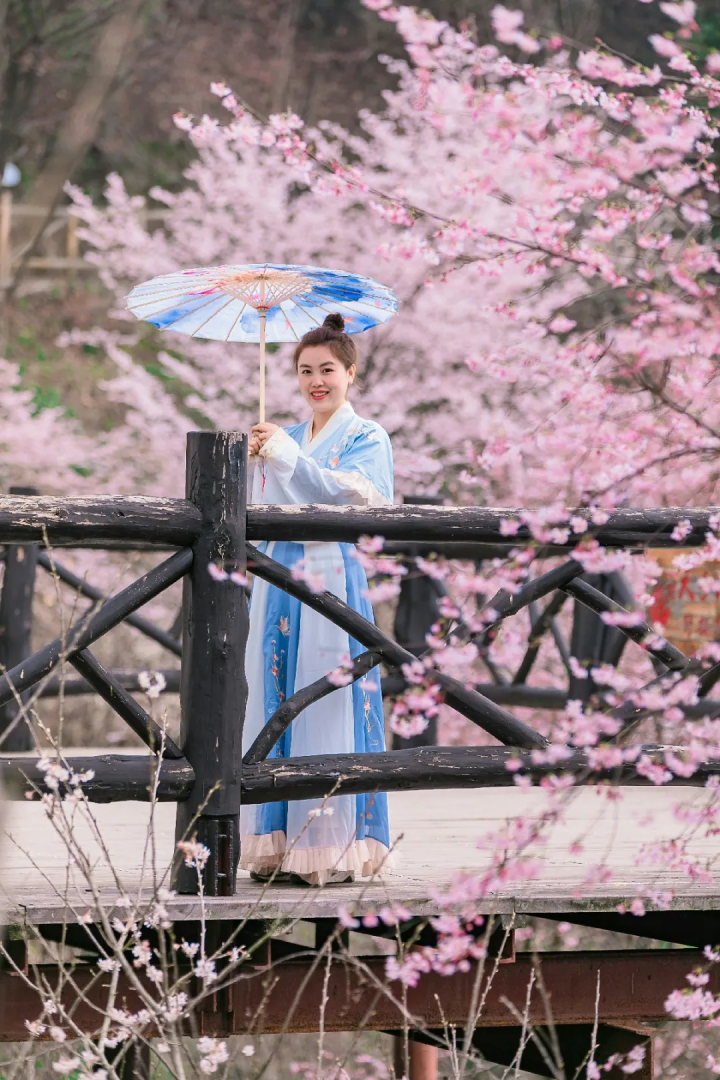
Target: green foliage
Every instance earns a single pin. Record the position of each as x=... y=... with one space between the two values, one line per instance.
x=45 y=397
x=708 y=38
x=31 y=347
x=160 y=373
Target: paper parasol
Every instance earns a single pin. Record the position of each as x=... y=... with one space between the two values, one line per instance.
x=260 y=302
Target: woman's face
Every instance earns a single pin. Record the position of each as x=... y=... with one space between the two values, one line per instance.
x=323 y=379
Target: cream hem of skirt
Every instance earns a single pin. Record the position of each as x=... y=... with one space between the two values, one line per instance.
x=267 y=852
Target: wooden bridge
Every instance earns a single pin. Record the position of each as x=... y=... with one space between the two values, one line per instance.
x=442 y=798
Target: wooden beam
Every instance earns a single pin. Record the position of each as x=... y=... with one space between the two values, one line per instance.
x=118 y=777
x=502 y=725
x=695 y=929
x=632 y=985
x=625 y=528
x=452 y=549
x=60 y=213
x=281 y=719
x=129 y=680
x=527 y=697
x=126 y=707
x=433 y=768
x=298 y=994
x=428 y=768
x=156 y=633
x=506 y=604
x=540 y=625
x=99 y=520
x=94 y=624
x=539 y=697
x=59 y=262
x=71 y=239
x=598 y=602
x=96 y=520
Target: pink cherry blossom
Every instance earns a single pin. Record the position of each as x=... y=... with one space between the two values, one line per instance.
x=314 y=580
x=505 y=22
x=348 y=921
x=664 y=46
x=341 y=675
x=561 y=324
x=682 y=13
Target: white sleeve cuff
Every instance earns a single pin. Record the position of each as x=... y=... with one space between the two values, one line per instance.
x=364 y=492
x=282 y=450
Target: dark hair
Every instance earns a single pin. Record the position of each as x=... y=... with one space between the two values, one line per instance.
x=331 y=333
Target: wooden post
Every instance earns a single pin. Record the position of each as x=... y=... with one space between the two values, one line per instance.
x=416 y=612
x=5 y=250
x=71 y=238
x=16 y=603
x=421 y=1062
x=592 y=641
x=585 y=642
x=213 y=691
x=131 y=1062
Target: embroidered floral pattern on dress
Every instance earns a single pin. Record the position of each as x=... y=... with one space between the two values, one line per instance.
x=346 y=439
x=278 y=664
x=359 y=430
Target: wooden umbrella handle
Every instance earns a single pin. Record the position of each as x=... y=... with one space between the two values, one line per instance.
x=263 y=317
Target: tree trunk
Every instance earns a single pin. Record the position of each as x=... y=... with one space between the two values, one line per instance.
x=80 y=124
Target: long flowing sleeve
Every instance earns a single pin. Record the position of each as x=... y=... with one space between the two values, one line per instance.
x=359 y=474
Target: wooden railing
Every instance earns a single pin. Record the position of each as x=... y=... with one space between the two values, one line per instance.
x=59 y=248
x=205 y=772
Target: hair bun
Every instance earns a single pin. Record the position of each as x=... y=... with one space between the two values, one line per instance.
x=335 y=321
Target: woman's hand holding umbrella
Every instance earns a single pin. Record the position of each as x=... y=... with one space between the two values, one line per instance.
x=259 y=435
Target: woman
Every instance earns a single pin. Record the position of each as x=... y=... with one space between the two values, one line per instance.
x=333 y=458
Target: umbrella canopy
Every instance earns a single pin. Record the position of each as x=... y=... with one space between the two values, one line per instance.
x=230 y=303
x=260 y=302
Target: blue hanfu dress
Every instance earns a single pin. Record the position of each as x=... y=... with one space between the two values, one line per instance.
x=289 y=646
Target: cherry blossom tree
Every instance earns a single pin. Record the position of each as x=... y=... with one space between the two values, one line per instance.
x=597 y=183
x=25 y=430
x=547 y=227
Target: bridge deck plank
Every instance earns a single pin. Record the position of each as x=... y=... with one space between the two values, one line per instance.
x=436 y=835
